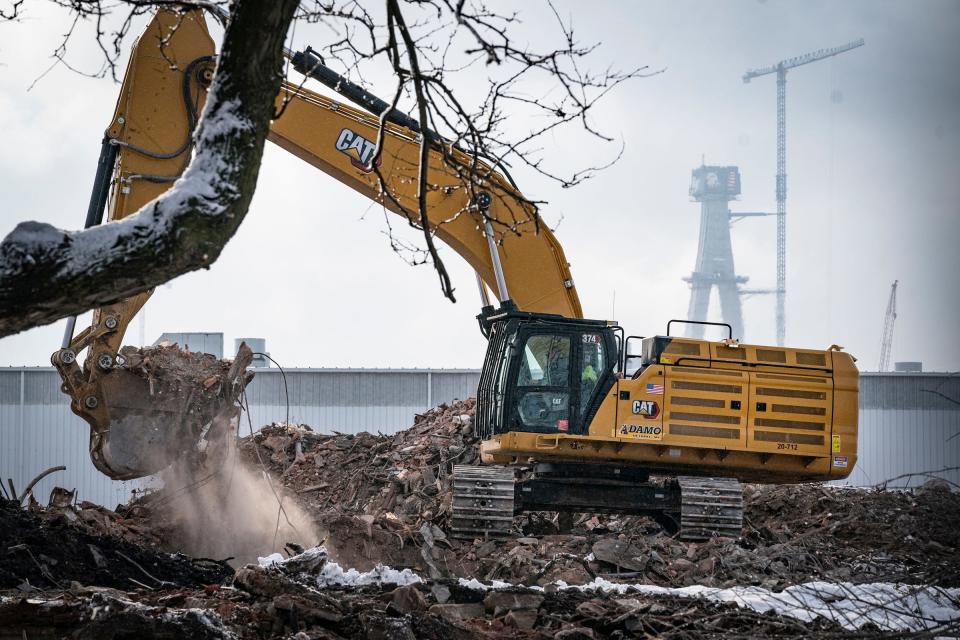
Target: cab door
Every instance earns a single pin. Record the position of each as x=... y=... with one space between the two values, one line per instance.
x=542 y=391
x=560 y=378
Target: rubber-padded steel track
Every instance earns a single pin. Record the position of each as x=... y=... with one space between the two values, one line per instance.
x=483 y=501
x=709 y=507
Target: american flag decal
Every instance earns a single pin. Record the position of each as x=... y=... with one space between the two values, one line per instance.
x=655 y=389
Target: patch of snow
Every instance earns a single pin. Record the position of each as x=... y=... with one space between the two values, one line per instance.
x=272 y=559
x=311 y=556
x=208 y=185
x=33 y=237
x=333 y=574
x=891 y=607
x=210 y=175
x=476 y=585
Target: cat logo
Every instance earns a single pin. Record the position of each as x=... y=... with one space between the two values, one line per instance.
x=358 y=148
x=646 y=408
x=642 y=431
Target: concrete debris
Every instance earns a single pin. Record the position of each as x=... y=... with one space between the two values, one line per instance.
x=199 y=384
x=273 y=605
x=386 y=499
x=408 y=599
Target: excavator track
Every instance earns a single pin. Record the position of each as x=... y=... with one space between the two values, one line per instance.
x=483 y=501
x=709 y=507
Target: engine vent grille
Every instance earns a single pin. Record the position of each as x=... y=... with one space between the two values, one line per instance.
x=706 y=386
x=788 y=424
x=770 y=355
x=791 y=393
x=698 y=402
x=812 y=359
x=704 y=432
x=704 y=417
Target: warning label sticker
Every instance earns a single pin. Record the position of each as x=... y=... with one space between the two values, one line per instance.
x=840 y=461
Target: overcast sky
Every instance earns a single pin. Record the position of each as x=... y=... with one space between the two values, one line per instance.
x=873 y=150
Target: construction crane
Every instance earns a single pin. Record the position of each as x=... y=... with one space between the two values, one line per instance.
x=887 y=340
x=780 y=69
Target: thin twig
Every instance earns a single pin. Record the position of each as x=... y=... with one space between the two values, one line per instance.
x=134 y=563
x=138 y=583
x=43 y=570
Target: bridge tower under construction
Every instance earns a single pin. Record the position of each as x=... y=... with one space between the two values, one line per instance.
x=714 y=187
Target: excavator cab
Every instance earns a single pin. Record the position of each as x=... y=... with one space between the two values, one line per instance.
x=543 y=373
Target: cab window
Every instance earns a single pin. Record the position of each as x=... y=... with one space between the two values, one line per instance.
x=546 y=361
x=543 y=382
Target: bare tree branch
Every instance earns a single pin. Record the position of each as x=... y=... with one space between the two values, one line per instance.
x=47 y=273
x=428 y=43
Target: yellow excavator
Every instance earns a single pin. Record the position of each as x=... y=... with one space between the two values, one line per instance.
x=595 y=419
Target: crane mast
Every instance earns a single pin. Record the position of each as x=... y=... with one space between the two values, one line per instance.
x=780 y=69
x=887 y=340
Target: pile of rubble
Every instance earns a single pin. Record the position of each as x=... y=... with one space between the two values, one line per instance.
x=197 y=387
x=63 y=546
x=169 y=369
x=862 y=535
x=407 y=477
x=388 y=569
x=290 y=599
x=386 y=499
x=97 y=520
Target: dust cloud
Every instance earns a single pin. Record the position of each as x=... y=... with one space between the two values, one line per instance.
x=225 y=507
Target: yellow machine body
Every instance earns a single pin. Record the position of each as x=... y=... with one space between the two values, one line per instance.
x=761 y=414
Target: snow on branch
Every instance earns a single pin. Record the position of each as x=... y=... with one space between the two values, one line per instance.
x=48 y=273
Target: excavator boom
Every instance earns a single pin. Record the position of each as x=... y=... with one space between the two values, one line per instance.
x=470 y=206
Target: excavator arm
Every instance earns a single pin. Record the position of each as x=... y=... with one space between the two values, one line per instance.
x=471 y=207
x=336 y=139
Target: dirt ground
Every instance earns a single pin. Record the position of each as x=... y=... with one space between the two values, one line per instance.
x=90 y=572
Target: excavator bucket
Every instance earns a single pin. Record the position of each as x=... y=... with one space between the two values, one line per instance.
x=166 y=405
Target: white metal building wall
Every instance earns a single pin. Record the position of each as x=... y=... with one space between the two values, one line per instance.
x=38 y=430
x=907 y=424
x=354 y=400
